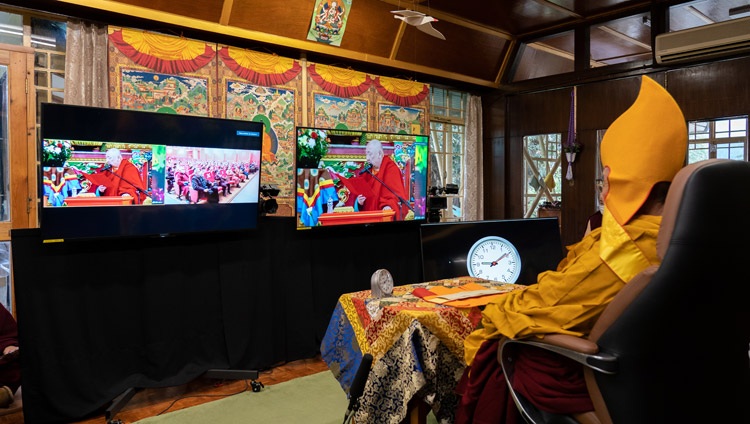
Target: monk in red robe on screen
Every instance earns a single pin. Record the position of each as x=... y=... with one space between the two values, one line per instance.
x=118 y=177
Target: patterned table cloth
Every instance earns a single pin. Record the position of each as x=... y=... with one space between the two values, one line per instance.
x=417 y=348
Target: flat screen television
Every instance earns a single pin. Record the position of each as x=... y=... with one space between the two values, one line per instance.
x=338 y=184
x=510 y=251
x=120 y=173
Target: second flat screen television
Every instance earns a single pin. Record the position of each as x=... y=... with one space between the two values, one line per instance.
x=349 y=177
x=116 y=173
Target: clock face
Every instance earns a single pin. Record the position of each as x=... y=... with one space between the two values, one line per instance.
x=381 y=283
x=494 y=258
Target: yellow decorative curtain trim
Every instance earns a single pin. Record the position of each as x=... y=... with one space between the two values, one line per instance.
x=260 y=68
x=161 y=53
x=338 y=81
x=163 y=47
x=401 y=92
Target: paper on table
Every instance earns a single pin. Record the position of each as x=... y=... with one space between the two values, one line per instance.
x=464 y=295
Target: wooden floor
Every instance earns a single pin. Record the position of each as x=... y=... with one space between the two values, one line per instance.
x=151 y=402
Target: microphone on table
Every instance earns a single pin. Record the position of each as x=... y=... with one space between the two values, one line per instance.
x=367 y=168
x=358 y=385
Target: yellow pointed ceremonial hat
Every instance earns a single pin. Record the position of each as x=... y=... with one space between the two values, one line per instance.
x=645 y=145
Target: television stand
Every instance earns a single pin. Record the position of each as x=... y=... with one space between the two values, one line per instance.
x=117 y=404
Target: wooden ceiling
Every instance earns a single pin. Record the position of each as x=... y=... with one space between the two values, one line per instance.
x=482 y=36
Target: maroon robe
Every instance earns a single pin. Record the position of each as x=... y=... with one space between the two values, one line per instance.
x=551 y=382
x=10 y=369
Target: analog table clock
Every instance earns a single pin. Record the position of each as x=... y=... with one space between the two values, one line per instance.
x=494 y=258
x=381 y=284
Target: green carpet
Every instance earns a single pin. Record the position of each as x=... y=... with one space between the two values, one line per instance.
x=315 y=399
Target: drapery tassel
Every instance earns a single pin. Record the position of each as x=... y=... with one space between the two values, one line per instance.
x=571 y=156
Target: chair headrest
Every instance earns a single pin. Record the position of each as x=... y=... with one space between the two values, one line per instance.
x=674 y=200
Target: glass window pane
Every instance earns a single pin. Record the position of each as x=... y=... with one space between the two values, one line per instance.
x=456 y=207
x=4 y=147
x=57 y=62
x=5 y=285
x=58 y=97
x=58 y=80
x=738 y=124
x=456 y=171
x=621 y=41
x=550 y=56
x=721 y=139
x=40 y=60
x=11 y=28
x=48 y=35
x=457 y=143
x=40 y=78
x=541 y=183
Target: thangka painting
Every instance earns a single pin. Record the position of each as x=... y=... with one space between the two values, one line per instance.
x=329 y=21
x=339 y=112
x=161 y=73
x=155 y=92
x=401 y=120
x=275 y=108
x=265 y=88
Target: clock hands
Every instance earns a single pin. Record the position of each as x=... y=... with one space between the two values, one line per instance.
x=496 y=261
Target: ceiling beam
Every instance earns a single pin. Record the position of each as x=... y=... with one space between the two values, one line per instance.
x=309 y=46
x=456 y=20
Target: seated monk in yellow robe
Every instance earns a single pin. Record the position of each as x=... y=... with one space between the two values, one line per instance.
x=641 y=152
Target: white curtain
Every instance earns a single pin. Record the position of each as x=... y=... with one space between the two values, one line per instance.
x=86 y=80
x=473 y=202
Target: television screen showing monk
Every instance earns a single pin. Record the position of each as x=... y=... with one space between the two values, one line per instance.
x=94 y=173
x=346 y=177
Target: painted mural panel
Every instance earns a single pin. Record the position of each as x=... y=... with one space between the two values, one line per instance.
x=156 y=92
x=339 y=112
x=275 y=108
x=401 y=120
x=161 y=73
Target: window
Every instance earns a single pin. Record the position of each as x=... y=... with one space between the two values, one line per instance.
x=542 y=173
x=447 y=146
x=724 y=138
x=17 y=177
x=48 y=40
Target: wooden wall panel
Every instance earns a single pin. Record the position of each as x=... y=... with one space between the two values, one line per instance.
x=714 y=90
x=493 y=155
x=207 y=10
x=286 y=19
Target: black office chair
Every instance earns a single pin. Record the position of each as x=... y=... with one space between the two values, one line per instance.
x=672 y=347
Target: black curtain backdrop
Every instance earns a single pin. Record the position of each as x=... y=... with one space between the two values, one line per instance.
x=99 y=317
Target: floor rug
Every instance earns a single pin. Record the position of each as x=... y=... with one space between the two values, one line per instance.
x=314 y=399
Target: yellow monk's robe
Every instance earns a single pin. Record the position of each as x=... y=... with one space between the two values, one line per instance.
x=571 y=298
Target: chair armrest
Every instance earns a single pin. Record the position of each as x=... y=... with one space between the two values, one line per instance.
x=580 y=350
x=573 y=343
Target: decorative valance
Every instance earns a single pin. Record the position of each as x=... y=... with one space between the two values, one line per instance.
x=401 y=92
x=339 y=81
x=260 y=68
x=161 y=53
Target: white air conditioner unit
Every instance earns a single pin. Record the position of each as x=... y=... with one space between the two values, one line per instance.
x=709 y=41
